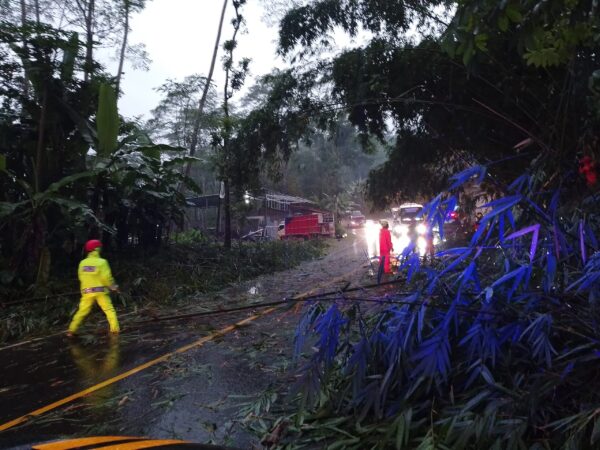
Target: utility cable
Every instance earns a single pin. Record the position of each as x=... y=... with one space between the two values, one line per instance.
x=288 y=301
x=327 y=296
x=78 y=293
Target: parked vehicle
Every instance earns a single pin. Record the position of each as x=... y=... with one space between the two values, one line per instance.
x=281 y=230
x=456 y=229
x=308 y=226
x=357 y=220
x=259 y=235
x=408 y=219
x=409 y=227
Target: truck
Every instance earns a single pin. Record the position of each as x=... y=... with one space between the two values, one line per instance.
x=308 y=226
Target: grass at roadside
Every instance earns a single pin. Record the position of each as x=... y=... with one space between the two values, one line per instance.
x=172 y=276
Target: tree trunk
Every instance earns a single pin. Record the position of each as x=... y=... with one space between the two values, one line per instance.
x=196 y=130
x=122 y=225
x=39 y=157
x=123 y=46
x=23 y=12
x=227 y=211
x=228 y=128
x=23 y=23
x=226 y=200
x=218 y=223
x=37 y=11
x=89 y=44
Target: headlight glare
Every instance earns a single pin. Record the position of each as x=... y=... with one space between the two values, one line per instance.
x=400 y=229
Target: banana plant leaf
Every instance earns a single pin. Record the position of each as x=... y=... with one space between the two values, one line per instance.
x=107 y=121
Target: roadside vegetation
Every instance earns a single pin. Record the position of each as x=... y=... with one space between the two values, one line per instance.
x=492 y=346
x=176 y=276
x=495 y=344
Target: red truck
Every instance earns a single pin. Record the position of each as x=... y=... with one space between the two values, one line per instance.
x=308 y=226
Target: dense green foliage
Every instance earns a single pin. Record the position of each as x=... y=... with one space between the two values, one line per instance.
x=177 y=276
x=483 y=77
x=71 y=169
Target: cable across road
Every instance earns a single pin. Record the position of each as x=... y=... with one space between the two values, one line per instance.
x=160 y=359
x=334 y=295
x=325 y=296
x=269 y=307
x=286 y=301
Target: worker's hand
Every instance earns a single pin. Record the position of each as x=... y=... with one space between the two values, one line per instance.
x=114 y=288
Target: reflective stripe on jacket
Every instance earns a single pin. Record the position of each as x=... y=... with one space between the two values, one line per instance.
x=94 y=273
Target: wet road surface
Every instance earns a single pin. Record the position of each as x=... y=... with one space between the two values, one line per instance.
x=198 y=395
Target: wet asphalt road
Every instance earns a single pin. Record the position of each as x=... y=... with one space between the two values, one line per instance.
x=198 y=395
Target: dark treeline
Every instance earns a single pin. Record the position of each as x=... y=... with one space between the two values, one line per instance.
x=70 y=167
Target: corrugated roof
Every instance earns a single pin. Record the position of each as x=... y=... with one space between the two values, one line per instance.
x=204 y=201
x=283 y=198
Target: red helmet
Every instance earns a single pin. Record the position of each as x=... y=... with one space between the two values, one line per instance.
x=92 y=245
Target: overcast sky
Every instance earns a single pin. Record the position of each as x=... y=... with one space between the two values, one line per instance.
x=179 y=36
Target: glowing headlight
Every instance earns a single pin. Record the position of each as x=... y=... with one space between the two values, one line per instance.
x=421 y=228
x=400 y=229
x=371 y=231
x=371 y=227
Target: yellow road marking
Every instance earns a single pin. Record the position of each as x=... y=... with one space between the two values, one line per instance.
x=76 y=443
x=144 y=444
x=200 y=342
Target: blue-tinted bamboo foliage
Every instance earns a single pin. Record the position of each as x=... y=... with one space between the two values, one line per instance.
x=495 y=346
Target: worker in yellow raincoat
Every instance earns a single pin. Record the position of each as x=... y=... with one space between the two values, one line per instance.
x=95 y=278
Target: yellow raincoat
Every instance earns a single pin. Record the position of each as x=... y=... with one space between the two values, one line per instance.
x=95 y=277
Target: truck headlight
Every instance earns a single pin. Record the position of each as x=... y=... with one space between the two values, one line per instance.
x=400 y=229
x=421 y=228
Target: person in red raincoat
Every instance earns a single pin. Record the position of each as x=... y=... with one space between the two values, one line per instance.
x=385 y=249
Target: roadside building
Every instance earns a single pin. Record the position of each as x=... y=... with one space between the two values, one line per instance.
x=262 y=215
